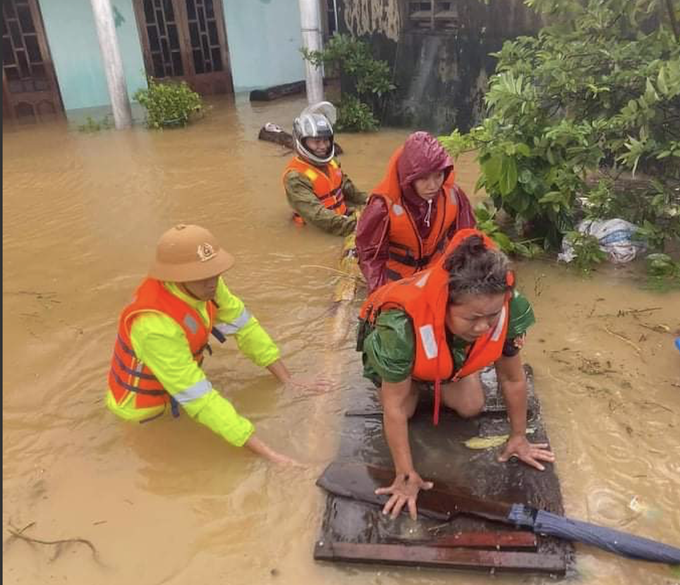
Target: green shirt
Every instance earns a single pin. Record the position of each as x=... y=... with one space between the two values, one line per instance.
x=389 y=349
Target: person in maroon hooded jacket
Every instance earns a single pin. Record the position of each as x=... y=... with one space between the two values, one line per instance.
x=412 y=214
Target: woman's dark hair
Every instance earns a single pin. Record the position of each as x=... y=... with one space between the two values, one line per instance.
x=475 y=269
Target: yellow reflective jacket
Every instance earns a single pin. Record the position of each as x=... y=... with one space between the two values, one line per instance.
x=161 y=344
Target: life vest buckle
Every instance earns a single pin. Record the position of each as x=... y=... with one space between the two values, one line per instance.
x=362 y=333
x=174 y=407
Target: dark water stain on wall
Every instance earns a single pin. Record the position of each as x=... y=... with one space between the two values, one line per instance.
x=441 y=65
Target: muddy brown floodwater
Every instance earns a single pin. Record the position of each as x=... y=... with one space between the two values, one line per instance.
x=169 y=502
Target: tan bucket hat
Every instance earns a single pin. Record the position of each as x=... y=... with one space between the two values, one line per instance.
x=186 y=253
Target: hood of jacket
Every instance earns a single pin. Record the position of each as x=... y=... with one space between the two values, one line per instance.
x=422 y=154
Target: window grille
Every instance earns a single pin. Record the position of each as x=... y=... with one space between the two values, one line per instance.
x=433 y=14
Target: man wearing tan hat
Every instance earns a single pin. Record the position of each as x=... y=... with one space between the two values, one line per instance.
x=163 y=334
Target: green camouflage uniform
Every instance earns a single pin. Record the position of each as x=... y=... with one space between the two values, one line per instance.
x=301 y=197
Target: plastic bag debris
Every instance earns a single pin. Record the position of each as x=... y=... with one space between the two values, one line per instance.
x=615 y=236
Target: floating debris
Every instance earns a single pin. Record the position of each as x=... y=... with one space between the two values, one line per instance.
x=639 y=506
x=490 y=442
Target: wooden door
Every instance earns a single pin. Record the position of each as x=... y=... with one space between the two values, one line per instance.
x=185 y=40
x=29 y=85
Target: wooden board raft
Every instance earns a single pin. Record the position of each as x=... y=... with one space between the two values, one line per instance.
x=354 y=529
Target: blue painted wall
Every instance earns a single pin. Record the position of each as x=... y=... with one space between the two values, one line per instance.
x=72 y=37
x=264 y=42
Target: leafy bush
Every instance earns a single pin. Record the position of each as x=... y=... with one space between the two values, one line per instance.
x=371 y=80
x=486 y=222
x=355 y=115
x=662 y=265
x=596 y=92
x=586 y=249
x=168 y=103
x=663 y=273
x=93 y=125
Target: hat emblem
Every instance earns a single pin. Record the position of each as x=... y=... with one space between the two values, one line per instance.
x=205 y=252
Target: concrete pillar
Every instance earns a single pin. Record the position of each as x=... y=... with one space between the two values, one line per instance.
x=310 y=21
x=113 y=64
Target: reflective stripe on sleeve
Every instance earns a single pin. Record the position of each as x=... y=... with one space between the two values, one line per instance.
x=199 y=389
x=429 y=342
x=496 y=335
x=235 y=325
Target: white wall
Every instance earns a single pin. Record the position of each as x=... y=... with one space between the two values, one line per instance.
x=264 y=42
x=72 y=37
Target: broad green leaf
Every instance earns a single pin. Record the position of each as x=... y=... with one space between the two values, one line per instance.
x=522 y=202
x=551 y=197
x=522 y=250
x=523 y=149
x=508 y=179
x=503 y=241
x=492 y=170
x=651 y=96
x=661 y=81
x=482 y=213
x=526 y=176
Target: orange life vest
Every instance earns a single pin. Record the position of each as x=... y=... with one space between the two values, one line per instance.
x=327 y=184
x=408 y=252
x=424 y=298
x=128 y=373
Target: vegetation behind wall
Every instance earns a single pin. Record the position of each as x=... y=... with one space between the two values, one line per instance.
x=368 y=78
x=584 y=120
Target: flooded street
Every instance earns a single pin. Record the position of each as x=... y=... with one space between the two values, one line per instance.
x=171 y=503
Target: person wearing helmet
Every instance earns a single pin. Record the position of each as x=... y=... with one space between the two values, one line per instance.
x=317 y=189
x=163 y=335
x=412 y=213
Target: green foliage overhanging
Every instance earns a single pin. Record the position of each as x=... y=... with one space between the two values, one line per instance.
x=370 y=77
x=596 y=95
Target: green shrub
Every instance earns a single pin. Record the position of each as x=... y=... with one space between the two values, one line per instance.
x=663 y=273
x=596 y=92
x=354 y=115
x=370 y=78
x=169 y=103
x=92 y=125
x=586 y=249
x=485 y=215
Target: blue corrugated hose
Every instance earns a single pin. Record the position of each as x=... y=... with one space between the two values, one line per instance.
x=611 y=540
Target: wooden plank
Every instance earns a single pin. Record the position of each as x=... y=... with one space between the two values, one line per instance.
x=224 y=44
x=46 y=54
x=495 y=540
x=183 y=37
x=442 y=502
x=276 y=91
x=442 y=455
x=140 y=20
x=450 y=558
x=276 y=134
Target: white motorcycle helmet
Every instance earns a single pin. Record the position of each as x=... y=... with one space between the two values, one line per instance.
x=315 y=121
